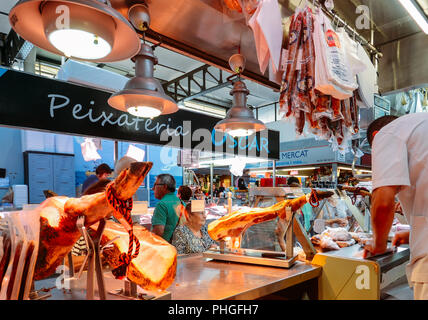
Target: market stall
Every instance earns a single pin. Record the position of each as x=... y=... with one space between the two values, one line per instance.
x=274 y=240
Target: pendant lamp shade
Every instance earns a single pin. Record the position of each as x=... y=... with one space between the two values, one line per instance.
x=143 y=95
x=80 y=29
x=240 y=119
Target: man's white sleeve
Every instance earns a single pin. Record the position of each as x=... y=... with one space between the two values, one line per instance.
x=389 y=161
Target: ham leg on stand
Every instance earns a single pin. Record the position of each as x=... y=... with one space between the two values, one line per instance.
x=233 y=225
x=58 y=217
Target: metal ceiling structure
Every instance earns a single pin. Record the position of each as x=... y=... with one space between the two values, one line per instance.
x=198 y=37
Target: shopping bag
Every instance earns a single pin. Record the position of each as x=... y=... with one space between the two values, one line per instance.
x=323 y=79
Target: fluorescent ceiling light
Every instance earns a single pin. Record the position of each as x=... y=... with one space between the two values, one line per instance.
x=302 y=168
x=228 y=161
x=283 y=169
x=356 y=169
x=201 y=108
x=416 y=13
x=261 y=171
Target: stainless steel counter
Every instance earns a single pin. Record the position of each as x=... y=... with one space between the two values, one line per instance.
x=200 y=278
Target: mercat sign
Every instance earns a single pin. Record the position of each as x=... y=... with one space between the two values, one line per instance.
x=33 y=102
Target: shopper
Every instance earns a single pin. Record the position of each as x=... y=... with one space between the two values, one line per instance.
x=399 y=164
x=192 y=237
x=199 y=195
x=241 y=184
x=293 y=182
x=167 y=211
x=221 y=190
x=185 y=194
x=101 y=172
x=216 y=192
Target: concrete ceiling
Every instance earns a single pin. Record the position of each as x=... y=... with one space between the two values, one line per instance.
x=391 y=22
x=171 y=66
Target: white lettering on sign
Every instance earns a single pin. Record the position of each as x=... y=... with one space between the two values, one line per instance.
x=363 y=280
x=59 y=101
x=247 y=146
x=294 y=154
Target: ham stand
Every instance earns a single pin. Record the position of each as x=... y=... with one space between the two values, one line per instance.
x=269 y=258
x=95 y=267
x=130 y=292
x=94 y=264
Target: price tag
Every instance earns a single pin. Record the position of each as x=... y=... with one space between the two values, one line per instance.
x=140 y=207
x=198 y=205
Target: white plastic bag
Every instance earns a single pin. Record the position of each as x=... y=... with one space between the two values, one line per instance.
x=24 y=229
x=367 y=80
x=7 y=285
x=135 y=153
x=237 y=167
x=322 y=81
x=89 y=150
x=336 y=66
x=337 y=234
x=354 y=62
x=266 y=25
x=30 y=221
x=328 y=243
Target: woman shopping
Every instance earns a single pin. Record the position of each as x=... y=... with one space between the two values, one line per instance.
x=192 y=237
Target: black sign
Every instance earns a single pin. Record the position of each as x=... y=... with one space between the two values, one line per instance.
x=30 y=101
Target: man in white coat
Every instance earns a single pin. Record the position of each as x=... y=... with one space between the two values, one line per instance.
x=400 y=167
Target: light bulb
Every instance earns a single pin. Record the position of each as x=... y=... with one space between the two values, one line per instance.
x=79 y=44
x=144 y=111
x=240 y=132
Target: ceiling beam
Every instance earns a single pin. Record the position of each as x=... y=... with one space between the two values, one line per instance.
x=199 y=55
x=196 y=87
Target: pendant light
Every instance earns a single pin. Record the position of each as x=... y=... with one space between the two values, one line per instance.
x=143 y=95
x=80 y=29
x=239 y=121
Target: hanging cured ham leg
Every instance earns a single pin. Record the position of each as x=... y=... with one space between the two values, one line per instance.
x=58 y=217
x=236 y=223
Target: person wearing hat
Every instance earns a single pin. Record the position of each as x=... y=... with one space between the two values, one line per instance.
x=101 y=172
x=293 y=182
